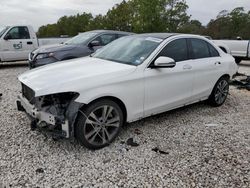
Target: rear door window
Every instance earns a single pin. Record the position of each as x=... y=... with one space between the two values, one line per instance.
x=176 y=50
x=213 y=51
x=199 y=48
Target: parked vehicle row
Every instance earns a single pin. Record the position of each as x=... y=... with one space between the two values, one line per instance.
x=16 y=42
x=131 y=78
x=82 y=45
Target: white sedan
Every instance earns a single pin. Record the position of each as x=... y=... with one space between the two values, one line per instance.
x=132 y=78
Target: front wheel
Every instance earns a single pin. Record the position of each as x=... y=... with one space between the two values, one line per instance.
x=220 y=92
x=98 y=124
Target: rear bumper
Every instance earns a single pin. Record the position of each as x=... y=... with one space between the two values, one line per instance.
x=42 y=119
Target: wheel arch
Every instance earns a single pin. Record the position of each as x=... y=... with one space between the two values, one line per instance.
x=114 y=99
x=211 y=98
x=225 y=76
x=222 y=46
x=223 y=49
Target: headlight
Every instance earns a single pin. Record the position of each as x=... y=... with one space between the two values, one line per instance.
x=43 y=56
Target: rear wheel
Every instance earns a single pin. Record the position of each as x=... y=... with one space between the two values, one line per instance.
x=238 y=60
x=220 y=92
x=99 y=124
x=224 y=50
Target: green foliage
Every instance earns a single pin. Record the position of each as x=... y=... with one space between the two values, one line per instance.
x=138 y=16
x=229 y=25
x=192 y=27
x=71 y=26
x=148 y=16
x=145 y=16
x=120 y=17
x=176 y=15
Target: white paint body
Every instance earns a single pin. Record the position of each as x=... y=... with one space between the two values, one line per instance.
x=8 y=52
x=238 y=48
x=143 y=90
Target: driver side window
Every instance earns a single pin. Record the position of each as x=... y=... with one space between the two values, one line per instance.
x=105 y=39
x=176 y=50
x=19 y=33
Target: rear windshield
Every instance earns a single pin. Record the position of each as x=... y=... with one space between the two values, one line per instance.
x=82 y=38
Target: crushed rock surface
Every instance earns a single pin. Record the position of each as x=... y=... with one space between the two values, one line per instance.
x=204 y=147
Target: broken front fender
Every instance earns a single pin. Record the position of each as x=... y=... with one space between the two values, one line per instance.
x=52 y=112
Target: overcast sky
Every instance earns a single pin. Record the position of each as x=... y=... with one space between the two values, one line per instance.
x=41 y=12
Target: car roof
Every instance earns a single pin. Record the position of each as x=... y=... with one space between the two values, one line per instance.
x=158 y=35
x=112 y=32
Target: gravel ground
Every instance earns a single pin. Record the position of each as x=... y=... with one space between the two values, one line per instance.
x=204 y=147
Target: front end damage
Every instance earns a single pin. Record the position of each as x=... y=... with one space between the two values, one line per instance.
x=54 y=113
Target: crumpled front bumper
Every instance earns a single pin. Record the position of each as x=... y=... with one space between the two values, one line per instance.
x=34 y=63
x=41 y=62
x=41 y=117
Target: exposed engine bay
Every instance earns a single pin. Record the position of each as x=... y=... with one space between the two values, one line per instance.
x=54 y=113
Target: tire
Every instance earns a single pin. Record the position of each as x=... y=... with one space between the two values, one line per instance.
x=237 y=60
x=224 y=50
x=219 y=93
x=98 y=124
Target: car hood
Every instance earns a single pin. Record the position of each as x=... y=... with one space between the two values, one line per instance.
x=74 y=75
x=54 y=48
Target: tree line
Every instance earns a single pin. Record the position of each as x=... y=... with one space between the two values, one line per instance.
x=145 y=16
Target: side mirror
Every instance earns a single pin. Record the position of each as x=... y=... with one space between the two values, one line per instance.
x=164 y=62
x=7 y=36
x=94 y=43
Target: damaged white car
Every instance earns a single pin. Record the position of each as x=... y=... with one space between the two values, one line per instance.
x=130 y=79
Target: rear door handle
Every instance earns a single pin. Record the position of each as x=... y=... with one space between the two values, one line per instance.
x=217 y=63
x=187 y=67
x=29 y=43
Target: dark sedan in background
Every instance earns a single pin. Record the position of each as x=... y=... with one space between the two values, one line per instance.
x=81 y=45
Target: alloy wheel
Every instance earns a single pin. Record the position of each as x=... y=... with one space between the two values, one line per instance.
x=221 y=92
x=102 y=125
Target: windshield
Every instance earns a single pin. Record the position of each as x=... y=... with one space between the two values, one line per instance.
x=3 y=30
x=132 y=50
x=81 y=38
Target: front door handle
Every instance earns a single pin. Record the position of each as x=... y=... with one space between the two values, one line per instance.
x=187 y=67
x=29 y=43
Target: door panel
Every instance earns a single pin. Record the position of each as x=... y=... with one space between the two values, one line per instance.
x=207 y=67
x=15 y=50
x=168 y=88
x=19 y=45
x=206 y=73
